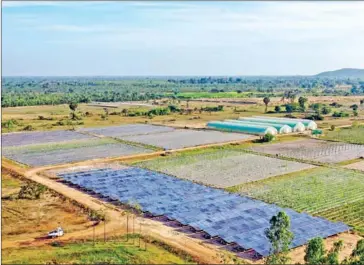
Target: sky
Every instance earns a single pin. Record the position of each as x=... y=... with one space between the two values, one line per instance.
x=153 y=38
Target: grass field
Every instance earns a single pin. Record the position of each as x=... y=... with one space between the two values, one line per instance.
x=321 y=191
x=120 y=252
x=351 y=135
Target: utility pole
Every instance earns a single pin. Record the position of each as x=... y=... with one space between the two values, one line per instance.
x=127 y=227
x=104 y=229
x=140 y=232
x=94 y=233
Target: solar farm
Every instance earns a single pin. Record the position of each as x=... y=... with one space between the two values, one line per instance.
x=223 y=168
x=314 y=150
x=321 y=191
x=228 y=193
x=231 y=217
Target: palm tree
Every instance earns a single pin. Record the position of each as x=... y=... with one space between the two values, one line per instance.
x=266 y=101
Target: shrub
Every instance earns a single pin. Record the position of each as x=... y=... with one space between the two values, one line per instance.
x=28 y=128
x=332 y=128
x=31 y=191
x=277 y=109
x=325 y=110
x=340 y=114
x=268 y=138
x=315 y=117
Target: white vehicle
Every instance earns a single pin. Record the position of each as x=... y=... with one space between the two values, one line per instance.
x=56 y=233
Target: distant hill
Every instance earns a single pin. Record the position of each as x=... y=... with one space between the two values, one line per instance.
x=345 y=72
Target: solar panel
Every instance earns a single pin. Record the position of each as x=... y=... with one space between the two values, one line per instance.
x=232 y=217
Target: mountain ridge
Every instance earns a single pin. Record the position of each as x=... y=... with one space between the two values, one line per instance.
x=344 y=72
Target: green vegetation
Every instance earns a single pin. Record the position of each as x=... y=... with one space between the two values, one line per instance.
x=322 y=191
x=280 y=237
x=354 y=134
x=30 y=91
x=316 y=254
x=31 y=191
x=268 y=138
x=120 y=252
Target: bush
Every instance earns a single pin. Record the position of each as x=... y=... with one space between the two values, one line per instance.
x=28 y=128
x=277 y=109
x=42 y=118
x=325 y=110
x=31 y=191
x=332 y=128
x=315 y=117
x=268 y=138
x=340 y=114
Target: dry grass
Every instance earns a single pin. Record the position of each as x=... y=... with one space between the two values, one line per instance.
x=24 y=220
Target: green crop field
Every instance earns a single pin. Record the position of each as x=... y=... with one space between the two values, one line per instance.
x=350 y=135
x=86 y=253
x=324 y=192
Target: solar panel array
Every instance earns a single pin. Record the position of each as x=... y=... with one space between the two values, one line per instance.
x=232 y=217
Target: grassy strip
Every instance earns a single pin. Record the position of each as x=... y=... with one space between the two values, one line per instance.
x=120 y=252
x=353 y=135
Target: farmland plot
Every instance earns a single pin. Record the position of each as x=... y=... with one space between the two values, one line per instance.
x=321 y=191
x=74 y=151
x=127 y=130
x=314 y=150
x=16 y=139
x=223 y=168
x=350 y=135
x=186 y=138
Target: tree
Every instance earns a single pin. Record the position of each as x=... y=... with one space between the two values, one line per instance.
x=124 y=112
x=354 y=107
x=362 y=102
x=266 y=101
x=302 y=101
x=326 y=110
x=268 y=137
x=277 y=109
x=280 y=237
x=315 y=251
x=73 y=106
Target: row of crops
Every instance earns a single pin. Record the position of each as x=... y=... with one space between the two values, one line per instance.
x=313 y=150
x=223 y=168
x=317 y=191
x=70 y=151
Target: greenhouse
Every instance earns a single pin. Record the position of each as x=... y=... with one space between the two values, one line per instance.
x=309 y=124
x=296 y=126
x=243 y=128
x=281 y=128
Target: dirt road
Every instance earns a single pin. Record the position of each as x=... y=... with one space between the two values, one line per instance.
x=116 y=221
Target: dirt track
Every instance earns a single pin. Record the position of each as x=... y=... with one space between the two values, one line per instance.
x=116 y=221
